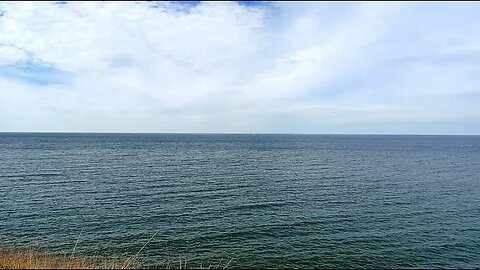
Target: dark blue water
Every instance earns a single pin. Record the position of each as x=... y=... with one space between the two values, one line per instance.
x=263 y=200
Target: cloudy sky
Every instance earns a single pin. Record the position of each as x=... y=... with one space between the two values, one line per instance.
x=405 y=68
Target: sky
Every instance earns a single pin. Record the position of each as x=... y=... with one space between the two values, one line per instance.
x=228 y=67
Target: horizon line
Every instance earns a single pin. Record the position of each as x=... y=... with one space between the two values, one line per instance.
x=231 y=133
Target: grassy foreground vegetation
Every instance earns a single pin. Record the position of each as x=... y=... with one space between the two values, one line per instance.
x=34 y=258
x=30 y=258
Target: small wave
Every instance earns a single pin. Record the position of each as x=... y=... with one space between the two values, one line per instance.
x=262 y=205
x=31 y=175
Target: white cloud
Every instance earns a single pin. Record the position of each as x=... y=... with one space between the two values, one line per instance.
x=227 y=67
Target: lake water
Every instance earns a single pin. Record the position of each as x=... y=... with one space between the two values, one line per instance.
x=257 y=200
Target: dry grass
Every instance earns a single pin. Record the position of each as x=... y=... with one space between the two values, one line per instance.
x=34 y=258
x=37 y=259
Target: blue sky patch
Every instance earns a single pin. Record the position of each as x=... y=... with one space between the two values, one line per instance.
x=35 y=73
x=187 y=3
x=255 y=3
x=191 y=4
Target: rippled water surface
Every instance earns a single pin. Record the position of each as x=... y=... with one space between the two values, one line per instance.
x=261 y=200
